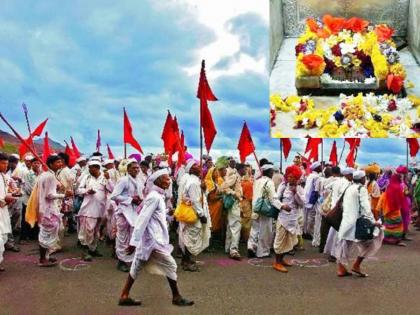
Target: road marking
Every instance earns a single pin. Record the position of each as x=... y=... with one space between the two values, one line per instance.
x=308 y=263
x=73 y=264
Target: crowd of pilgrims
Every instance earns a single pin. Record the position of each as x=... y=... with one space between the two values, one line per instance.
x=129 y=205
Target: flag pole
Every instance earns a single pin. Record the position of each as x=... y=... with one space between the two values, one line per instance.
x=25 y=111
x=322 y=153
x=281 y=156
x=258 y=163
x=24 y=142
x=406 y=144
x=342 y=151
x=125 y=144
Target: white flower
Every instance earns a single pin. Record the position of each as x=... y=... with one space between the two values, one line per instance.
x=347 y=48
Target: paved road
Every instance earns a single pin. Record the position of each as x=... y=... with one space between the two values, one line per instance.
x=222 y=287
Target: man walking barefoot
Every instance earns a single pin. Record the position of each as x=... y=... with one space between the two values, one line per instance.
x=150 y=242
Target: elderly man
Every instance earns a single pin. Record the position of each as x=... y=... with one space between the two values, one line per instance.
x=194 y=238
x=150 y=241
x=356 y=204
x=127 y=194
x=94 y=189
x=49 y=216
x=232 y=188
x=6 y=199
x=312 y=194
x=261 y=235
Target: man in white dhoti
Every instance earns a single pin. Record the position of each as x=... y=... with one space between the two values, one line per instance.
x=260 y=238
x=194 y=238
x=355 y=205
x=292 y=196
x=150 y=242
x=94 y=189
x=127 y=194
x=338 y=190
x=232 y=186
x=49 y=216
x=312 y=193
x=6 y=199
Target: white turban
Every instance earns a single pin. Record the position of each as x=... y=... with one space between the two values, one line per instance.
x=315 y=165
x=359 y=174
x=108 y=161
x=348 y=171
x=80 y=159
x=190 y=163
x=29 y=157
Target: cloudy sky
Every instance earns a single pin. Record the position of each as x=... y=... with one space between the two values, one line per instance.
x=80 y=63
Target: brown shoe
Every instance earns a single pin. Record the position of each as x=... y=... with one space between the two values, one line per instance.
x=280 y=267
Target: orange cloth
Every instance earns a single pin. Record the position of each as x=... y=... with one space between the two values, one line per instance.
x=214 y=198
x=247 y=188
x=373 y=202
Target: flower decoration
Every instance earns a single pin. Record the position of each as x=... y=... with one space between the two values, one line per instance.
x=384 y=32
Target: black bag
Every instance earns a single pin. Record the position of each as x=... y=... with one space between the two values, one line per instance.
x=364 y=226
x=335 y=215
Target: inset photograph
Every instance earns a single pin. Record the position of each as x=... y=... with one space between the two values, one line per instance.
x=344 y=68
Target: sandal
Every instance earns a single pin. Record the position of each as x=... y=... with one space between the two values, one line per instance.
x=346 y=274
x=129 y=302
x=360 y=274
x=182 y=302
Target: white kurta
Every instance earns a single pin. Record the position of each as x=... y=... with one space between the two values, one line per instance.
x=195 y=237
x=289 y=220
x=5 y=226
x=93 y=205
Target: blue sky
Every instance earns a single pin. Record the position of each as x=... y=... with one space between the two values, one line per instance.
x=80 y=63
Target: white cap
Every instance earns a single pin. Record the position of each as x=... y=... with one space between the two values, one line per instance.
x=268 y=166
x=15 y=155
x=359 y=174
x=157 y=174
x=94 y=162
x=80 y=159
x=348 y=171
x=29 y=157
x=190 y=163
x=315 y=165
x=108 y=161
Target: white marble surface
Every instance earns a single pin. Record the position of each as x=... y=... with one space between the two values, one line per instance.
x=282 y=81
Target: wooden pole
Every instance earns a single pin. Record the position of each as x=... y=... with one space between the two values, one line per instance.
x=25 y=111
x=281 y=156
x=406 y=144
x=258 y=163
x=322 y=153
x=125 y=144
x=342 y=151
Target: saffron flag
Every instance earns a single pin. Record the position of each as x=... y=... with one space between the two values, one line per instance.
x=110 y=154
x=75 y=149
x=46 y=152
x=23 y=149
x=245 y=144
x=128 y=134
x=287 y=146
x=333 y=154
x=312 y=148
x=204 y=93
x=414 y=146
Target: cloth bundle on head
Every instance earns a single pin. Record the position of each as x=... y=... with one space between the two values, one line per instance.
x=222 y=162
x=373 y=169
x=348 y=171
x=358 y=175
x=293 y=171
x=315 y=165
x=81 y=159
x=402 y=169
x=268 y=166
x=108 y=161
x=190 y=164
x=28 y=157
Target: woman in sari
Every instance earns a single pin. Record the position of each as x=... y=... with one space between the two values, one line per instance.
x=402 y=171
x=389 y=206
x=213 y=181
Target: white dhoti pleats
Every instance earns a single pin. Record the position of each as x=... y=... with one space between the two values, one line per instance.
x=331 y=242
x=89 y=231
x=49 y=229
x=122 y=239
x=261 y=236
x=3 y=241
x=194 y=237
x=159 y=263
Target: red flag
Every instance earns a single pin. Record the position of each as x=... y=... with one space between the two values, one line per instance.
x=168 y=136
x=312 y=148
x=181 y=152
x=75 y=149
x=353 y=142
x=245 y=144
x=350 y=159
x=38 y=130
x=23 y=149
x=204 y=93
x=333 y=154
x=70 y=153
x=46 y=150
x=98 y=142
x=110 y=154
x=128 y=134
x=414 y=146
x=1 y=143
x=287 y=146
